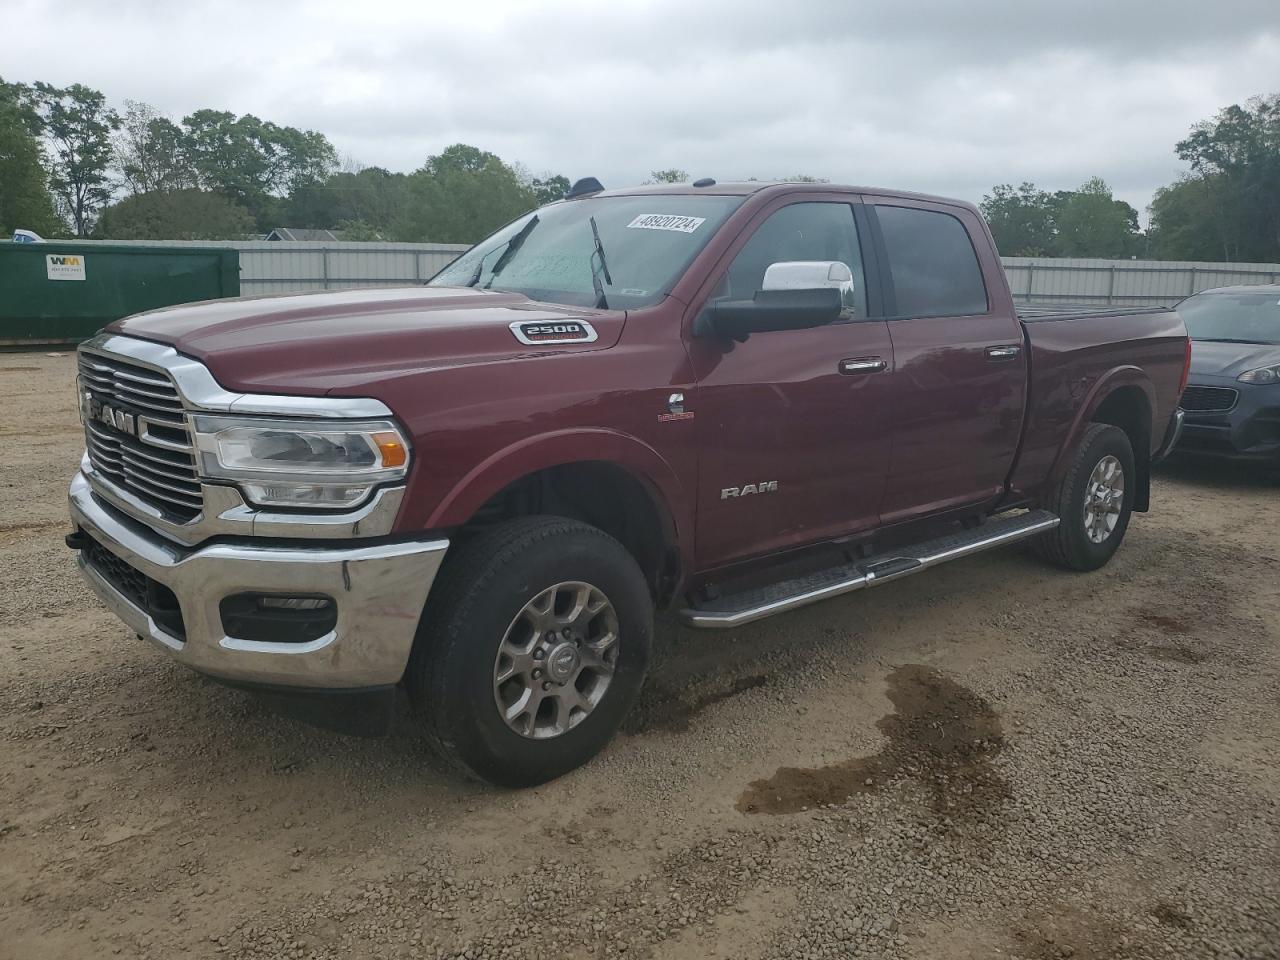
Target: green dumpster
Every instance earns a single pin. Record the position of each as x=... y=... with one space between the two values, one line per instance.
x=65 y=292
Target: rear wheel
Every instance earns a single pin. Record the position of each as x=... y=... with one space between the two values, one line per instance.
x=1094 y=501
x=532 y=648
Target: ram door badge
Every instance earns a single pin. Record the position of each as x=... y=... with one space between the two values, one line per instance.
x=750 y=489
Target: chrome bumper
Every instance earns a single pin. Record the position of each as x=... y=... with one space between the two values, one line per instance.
x=379 y=592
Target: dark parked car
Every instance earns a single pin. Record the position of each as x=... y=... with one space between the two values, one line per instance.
x=1232 y=401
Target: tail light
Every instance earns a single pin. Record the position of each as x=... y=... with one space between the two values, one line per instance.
x=1186 y=368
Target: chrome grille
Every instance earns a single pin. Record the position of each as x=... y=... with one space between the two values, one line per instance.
x=1209 y=398
x=157 y=464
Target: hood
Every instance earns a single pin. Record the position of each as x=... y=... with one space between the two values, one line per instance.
x=1213 y=359
x=312 y=344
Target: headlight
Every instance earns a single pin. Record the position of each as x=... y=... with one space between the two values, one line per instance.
x=301 y=463
x=1269 y=374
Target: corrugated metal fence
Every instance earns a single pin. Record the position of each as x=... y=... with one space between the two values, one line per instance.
x=291 y=266
x=1125 y=282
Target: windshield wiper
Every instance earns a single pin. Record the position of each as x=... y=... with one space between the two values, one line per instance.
x=601 y=302
x=475 y=276
x=513 y=245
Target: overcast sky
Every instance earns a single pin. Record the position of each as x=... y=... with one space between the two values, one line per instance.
x=940 y=96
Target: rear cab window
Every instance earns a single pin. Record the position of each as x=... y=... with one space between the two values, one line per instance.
x=933 y=265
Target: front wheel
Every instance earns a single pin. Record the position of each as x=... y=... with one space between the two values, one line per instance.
x=1094 y=501
x=532 y=648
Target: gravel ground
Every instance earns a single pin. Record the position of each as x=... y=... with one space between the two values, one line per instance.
x=995 y=759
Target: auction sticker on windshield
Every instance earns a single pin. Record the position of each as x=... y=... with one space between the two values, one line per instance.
x=666 y=221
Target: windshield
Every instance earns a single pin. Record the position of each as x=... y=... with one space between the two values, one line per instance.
x=1233 y=317
x=644 y=245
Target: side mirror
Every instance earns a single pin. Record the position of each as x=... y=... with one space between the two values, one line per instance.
x=794 y=295
x=809 y=275
x=769 y=310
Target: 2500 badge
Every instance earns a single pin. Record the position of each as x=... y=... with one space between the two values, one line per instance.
x=559 y=331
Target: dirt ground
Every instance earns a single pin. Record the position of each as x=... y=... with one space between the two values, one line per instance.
x=994 y=759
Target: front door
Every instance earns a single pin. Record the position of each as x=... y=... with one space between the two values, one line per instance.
x=793 y=423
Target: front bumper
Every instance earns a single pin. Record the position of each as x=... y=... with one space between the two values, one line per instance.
x=1249 y=430
x=378 y=590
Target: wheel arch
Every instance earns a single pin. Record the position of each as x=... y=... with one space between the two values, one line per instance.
x=624 y=488
x=1123 y=397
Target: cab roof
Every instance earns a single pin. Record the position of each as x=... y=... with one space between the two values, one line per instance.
x=745 y=188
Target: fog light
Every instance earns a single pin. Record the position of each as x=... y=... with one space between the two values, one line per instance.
x=270 y=618
x=295 y=603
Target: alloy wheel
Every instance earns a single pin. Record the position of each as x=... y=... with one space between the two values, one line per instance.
x=556 y=660
x=1103 y=499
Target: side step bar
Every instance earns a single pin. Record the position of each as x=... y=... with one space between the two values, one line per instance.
x=734 y=610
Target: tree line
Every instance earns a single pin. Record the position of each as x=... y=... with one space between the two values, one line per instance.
x=73 y=165
x=1226 y=208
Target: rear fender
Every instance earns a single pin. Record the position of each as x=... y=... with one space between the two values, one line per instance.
x=1104 y=387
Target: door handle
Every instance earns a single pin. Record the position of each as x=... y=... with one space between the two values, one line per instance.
x=1003 y=351
x=863 y=365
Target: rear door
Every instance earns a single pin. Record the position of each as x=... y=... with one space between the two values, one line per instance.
x=960 y=370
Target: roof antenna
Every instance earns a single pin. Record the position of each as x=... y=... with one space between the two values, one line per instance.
x=583 y=187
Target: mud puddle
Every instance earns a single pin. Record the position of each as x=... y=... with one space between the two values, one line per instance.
x=940 y=733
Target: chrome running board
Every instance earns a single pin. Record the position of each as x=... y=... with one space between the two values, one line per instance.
x=736 y=609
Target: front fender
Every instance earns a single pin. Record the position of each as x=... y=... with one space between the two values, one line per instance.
x=531 y=454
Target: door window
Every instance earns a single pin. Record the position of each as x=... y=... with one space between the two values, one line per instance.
x=800 y=232
x=932 y=262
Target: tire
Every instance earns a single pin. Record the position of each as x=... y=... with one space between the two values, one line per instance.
x=485 y=601
x=1071 y=544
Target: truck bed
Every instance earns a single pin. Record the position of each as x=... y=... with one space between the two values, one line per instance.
x=1065 y=310
x=1086 y=348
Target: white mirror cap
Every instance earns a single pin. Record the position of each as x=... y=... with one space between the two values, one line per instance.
x=807 y=275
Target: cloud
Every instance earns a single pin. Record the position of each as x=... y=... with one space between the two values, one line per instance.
x=935 y=96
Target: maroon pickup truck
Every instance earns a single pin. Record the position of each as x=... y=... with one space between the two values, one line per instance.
x=728 y=399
